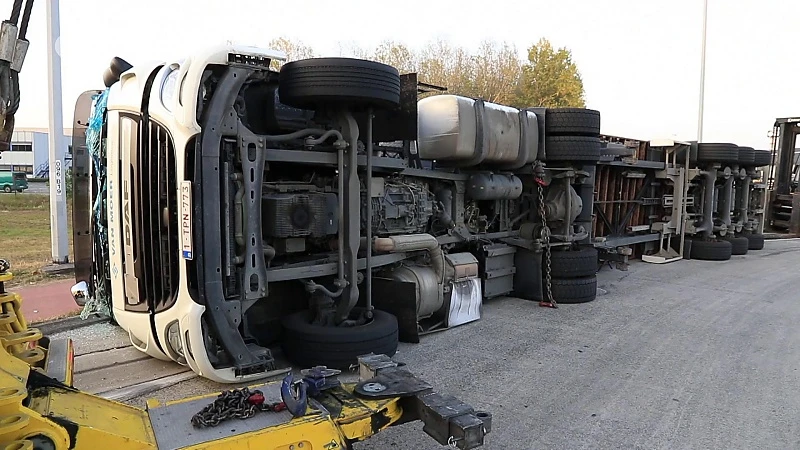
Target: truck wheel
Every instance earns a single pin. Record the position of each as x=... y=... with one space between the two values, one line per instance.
x=572 y=122
x=574 y=290
x=307 y=345
x=762 y=158
x=572 y=148
x=739 y=245
x=314 y=82
x=755 y=241
x=711 y=250
x=573 y=263
x=7 y=189
x=718 y=153
x=747 y=156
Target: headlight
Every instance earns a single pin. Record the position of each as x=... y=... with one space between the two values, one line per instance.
x=169 y=88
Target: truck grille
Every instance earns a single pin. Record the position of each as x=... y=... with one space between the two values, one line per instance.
x=157 y=218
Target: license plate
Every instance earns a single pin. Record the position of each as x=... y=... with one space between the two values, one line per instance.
x=185 y=211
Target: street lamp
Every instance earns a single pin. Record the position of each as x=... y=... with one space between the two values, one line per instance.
x=702 y=74
x=58 y=194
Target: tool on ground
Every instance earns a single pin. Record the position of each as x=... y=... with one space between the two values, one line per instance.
x=234 y=404
x=315 y=380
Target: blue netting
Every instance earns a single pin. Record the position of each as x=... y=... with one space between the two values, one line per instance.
x=100 y=302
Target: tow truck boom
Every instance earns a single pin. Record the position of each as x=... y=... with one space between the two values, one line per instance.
x=40 y=409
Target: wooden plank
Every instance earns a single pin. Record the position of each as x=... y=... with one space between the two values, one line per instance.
x=601 y=195
x=126 y=374
x=137 y=390
x=107 y=358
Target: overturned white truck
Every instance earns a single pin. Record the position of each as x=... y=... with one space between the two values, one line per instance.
x=224 y=210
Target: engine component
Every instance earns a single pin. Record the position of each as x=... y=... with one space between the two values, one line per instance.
x=562 y=205
x=494 y=186
x=467 y=132
x=414 y=242
x=286 y=215
x=497 y=267
x=400 y=207
x=460 y=266
x=429 y=296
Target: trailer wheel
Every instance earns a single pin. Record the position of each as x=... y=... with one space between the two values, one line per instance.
x=572 y=148
x=755 y=241
x=711 y=250
x=308 y=345
x=574 y=290
x=739 y=245
x=762 y=158
x=572 y=121
x=746 y=156
x=310 y=83
x=573 y=263
x=718 y=153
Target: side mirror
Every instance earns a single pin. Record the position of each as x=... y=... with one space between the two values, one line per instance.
x=80 y=292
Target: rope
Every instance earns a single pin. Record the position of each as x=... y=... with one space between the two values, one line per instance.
x=26 y=17
x=15 y=10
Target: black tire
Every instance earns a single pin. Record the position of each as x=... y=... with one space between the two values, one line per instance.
x=755 y=241
x=718 y=153
x=746 y=156
x=739 y=245
x=7 y=189
x=573 y=263
x=574 y=290
x=314 y=82
x=572 y=148
x=762 y=158
x=572 y=122
x=711 y=250
x=307 y=345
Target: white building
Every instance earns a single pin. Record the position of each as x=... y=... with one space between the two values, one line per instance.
x=30 y=152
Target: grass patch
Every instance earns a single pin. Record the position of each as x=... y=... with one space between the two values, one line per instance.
x=25 y=236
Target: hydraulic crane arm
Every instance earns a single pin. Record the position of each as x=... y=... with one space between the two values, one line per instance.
x=13 y=48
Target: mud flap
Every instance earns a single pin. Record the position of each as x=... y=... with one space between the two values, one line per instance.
x=465 y=302
x=400 y=299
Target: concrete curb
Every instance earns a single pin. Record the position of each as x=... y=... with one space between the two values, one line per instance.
x=69 y=323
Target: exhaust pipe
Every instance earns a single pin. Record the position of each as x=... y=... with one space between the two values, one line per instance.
x=414 y=242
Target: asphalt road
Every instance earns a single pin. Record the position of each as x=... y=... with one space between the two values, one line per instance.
x=692 y=354
x=38 y=188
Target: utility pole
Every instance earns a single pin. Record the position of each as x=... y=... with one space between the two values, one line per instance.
x=702 y=74
x=58 y=191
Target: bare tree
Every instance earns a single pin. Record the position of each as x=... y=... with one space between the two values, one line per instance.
x=494 y=72
x=294 y=50
x=396 y=55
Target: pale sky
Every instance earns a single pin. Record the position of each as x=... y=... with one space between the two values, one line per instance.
x=640 y=60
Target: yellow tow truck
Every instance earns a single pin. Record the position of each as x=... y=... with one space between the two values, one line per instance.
x=41 y=410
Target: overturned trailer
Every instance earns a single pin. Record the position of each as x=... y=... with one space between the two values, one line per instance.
x=223 y=208
x=664 y=200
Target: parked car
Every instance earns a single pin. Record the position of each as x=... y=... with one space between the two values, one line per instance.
x=13 y=181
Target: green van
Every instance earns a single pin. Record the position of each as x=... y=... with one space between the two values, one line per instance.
x=13 y=181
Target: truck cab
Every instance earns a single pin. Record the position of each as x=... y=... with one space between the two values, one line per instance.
x=224 y=208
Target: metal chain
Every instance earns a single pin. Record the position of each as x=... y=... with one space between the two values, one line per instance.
x=546 y=243
x=234 y=404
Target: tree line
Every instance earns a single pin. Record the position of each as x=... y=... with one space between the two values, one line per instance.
x=548 y=77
